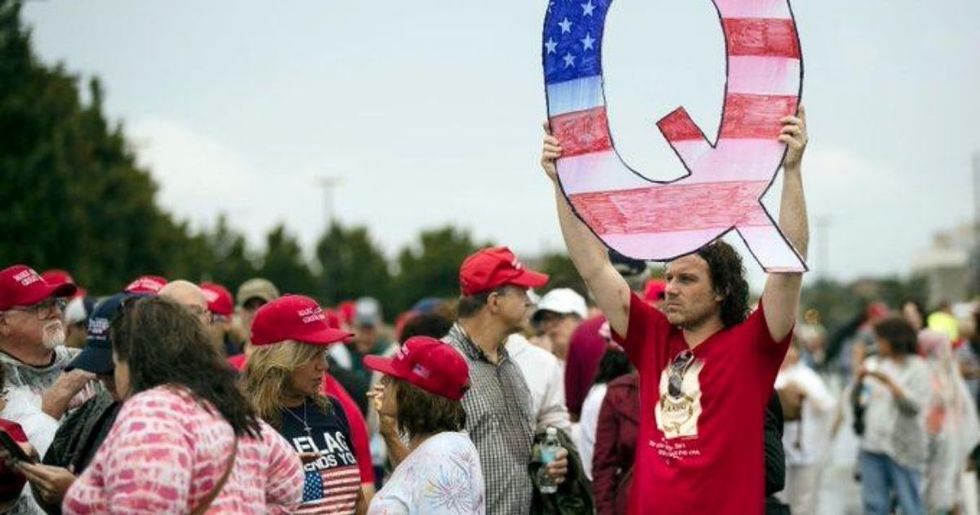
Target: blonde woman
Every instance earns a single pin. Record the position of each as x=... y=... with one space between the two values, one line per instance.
x=283 y=377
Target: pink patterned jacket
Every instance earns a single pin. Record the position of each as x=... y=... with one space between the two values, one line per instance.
x=165 y=454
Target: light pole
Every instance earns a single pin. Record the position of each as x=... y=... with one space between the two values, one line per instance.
x=329 y=183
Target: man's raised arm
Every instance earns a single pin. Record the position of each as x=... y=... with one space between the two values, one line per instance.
x=588 y=254
x=781 y=297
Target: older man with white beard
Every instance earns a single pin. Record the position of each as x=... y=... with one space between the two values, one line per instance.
x=32 y=334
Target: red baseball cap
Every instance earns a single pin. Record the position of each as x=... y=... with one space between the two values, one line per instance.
x=20 y=285
x=430 y=364
x=57 y=276
x=333 y=318
x=876 y=311
x=146 y=285
x=346 y=311
x=493 y=267
x=294 y=317
x=219 y=299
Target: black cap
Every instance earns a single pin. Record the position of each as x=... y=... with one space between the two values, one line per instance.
x=627 y=266
x=96 y=357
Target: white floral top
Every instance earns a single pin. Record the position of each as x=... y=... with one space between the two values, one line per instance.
x=442 y=476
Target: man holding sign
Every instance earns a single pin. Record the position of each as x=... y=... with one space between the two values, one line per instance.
x=706 y=365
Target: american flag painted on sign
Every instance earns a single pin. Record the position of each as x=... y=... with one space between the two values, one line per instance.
x=332 y=490
x=652 y=220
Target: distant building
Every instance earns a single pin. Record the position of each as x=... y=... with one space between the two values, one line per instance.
x=946 y=265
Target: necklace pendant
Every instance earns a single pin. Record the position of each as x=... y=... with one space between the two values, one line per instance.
x=307 y=429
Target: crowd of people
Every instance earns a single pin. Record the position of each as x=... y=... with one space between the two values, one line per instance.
x=666 y=395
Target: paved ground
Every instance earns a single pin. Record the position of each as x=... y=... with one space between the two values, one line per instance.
x=839 y=493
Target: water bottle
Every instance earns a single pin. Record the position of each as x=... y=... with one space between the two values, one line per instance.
x=548 y=451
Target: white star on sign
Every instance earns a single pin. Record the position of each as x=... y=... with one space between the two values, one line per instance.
x=551 y=45
x=566 y=26
x=569 y=60
x=587 y=8
x=587 y=42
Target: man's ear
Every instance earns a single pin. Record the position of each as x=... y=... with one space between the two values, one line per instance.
x=720 y=295
x=492 y=301
x=4 y=326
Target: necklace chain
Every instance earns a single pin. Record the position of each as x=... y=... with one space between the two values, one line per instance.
x=306 y=426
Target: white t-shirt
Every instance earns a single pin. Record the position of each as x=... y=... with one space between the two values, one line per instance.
x=545 y=377
x=806 y=440
x=442 y=477
x=588 y=425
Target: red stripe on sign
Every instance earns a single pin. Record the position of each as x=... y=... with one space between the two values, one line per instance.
x=755 y=116
x=678 y=126
x=582 y=132
x=673 y=208
x=770 y=37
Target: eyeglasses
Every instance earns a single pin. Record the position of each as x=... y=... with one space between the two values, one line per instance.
x=44 y=309
x=677 y=369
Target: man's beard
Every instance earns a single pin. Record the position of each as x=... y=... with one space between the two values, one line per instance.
x=53 y=334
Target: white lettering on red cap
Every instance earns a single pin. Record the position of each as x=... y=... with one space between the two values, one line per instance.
x=310 y=315
x=517 y=264
x=27 y=277
x=209 y=295
x=402 y=353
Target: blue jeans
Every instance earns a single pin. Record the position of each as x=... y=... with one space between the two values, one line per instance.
x=880 y=477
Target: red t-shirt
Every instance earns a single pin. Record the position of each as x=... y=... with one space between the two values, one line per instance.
x=358 y=426
x=701 y=452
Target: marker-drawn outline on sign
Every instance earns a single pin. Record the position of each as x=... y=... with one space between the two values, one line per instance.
x=768 y=60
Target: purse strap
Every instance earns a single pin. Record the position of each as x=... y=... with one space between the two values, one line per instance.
x=206 y=502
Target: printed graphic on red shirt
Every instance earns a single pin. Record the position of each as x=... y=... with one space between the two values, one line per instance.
x=677 y=416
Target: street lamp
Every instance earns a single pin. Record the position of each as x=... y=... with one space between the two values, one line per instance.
x=329 y=183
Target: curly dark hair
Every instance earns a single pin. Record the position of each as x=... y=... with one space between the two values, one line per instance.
x=728 y=280
x=164 y=344
x=899 y=334
x=424 y=413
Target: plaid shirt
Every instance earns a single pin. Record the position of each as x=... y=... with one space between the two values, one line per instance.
x=500 y=423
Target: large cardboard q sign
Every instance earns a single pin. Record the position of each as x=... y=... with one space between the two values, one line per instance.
x=653 y=220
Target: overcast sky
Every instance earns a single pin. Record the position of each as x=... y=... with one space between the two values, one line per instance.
x=431 y=111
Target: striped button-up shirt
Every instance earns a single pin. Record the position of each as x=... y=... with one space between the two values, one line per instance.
x=500 y=423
